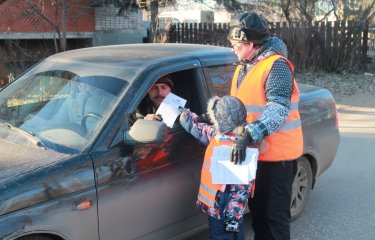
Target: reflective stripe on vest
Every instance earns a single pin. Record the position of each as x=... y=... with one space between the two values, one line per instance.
x=287 y=126
x=287 y=142
x=254 y=108
x=205 y=199
x=208 y=190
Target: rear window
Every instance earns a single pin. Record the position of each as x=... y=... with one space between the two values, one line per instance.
x=221 y=78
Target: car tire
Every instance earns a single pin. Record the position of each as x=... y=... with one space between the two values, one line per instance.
x=37 y=237
x=301 y=189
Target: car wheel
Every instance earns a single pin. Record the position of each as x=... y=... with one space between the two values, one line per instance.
x=302 y=185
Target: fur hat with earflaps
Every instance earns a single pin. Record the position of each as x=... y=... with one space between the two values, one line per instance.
x=226 y=113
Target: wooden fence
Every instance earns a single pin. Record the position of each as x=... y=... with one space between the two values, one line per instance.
x=329 y=46
x=202 y=33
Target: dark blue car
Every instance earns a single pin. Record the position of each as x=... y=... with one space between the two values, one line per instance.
x=72 y=167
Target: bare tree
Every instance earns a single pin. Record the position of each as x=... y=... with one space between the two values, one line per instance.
x=51 y=14
x=285 y=7
x=36 y=10
x=151 y=6
x=34 y=14
x=312 y=25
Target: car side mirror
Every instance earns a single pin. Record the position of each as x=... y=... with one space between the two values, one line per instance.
x=146 y=131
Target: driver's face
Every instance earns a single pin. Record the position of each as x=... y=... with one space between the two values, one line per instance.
x=158 y=92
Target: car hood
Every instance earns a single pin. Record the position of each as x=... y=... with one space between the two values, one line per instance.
x=16 y=159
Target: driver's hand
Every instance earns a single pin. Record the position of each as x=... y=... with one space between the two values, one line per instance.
x=155 y=117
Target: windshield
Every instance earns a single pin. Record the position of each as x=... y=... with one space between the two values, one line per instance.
x=60 y=108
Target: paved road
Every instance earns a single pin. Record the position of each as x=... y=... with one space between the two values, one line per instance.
x=342 y=205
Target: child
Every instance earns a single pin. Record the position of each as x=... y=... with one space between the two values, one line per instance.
x=223 y=203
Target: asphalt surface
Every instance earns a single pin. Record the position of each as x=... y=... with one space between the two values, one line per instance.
x=342 y=205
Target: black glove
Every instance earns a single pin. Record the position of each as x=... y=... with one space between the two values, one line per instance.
x=238 y=150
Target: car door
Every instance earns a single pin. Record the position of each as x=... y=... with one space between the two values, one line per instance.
x=148 y=191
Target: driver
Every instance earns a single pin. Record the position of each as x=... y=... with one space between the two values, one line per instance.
x=147 y=108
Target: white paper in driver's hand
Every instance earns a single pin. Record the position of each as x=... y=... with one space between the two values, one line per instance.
x=168 y=109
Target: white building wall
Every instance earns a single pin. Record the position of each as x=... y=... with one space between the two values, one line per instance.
x=188 y=11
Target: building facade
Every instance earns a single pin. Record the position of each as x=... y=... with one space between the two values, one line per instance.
x=32 y=30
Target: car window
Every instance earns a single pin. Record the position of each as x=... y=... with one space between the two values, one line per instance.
x=221 y=78
x=61 y=108
x=185 y=85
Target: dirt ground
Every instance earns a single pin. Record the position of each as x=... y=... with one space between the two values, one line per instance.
x=355 y=99
x=349 y=90
x=361 y=100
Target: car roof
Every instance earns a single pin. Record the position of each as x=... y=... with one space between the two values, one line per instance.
x=127 y=61
x=138 y=52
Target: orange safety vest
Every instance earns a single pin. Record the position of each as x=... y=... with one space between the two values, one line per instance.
x=287 y=142
x=208 y=190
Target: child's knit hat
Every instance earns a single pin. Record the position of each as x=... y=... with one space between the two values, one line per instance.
x=226 y=113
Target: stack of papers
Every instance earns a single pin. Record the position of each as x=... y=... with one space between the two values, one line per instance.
x=223 y=171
